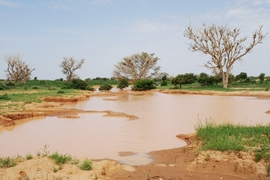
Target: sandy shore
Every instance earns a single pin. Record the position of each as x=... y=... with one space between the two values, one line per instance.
x=180 y=163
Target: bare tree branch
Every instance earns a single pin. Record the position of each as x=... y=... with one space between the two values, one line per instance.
x=223 y=45
x=69 y=66
x=137 y=66
x=17 y=70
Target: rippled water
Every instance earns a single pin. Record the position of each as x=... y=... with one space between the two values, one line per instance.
x=161 y=118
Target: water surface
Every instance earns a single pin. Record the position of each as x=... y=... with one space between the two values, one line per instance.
x=161 y=118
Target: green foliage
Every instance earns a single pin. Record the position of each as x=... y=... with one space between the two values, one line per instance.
x=143 y=85
x=261 y=77
x=90 y=88
x=163 y=83
x=28 y=156
x=105 y=87
x=61 y=92
x=2 y=86
x=86 y=165
x=4 y=97
x=7 y=162
x=206 y=80
x=60 y=159
x=9 y=83
x=35 y=87
x=123 y=83
x=241 y=76
x=78 y=84
x=181 y=79
x=229 y=137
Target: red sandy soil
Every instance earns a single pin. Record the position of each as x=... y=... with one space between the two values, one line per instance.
x=185 y=163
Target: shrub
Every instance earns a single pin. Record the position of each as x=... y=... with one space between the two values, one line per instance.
x=78 y=84
x=9 y=83
x=142 y=85
x=90 y=88
x=7 y=162
x=35 y=87
x=86 y=165
x=4 y=97
x=105 y=87
x=122 y=83
x=60 y=158
x=163 y=83
x=2 y=86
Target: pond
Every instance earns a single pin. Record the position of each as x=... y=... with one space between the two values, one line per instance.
x=161 y=118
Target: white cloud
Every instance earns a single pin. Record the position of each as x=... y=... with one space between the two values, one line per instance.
x=9 y=3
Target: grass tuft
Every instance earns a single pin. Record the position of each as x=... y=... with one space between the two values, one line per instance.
x=60 y=159
x=86 y=165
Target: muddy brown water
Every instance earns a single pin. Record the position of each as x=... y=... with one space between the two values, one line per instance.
x=161 y=118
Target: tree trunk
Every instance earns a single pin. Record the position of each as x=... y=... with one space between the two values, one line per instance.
x=225 y=79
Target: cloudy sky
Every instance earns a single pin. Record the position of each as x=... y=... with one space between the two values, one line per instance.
x=103 y=32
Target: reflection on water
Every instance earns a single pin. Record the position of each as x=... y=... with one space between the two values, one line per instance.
x=161 y=118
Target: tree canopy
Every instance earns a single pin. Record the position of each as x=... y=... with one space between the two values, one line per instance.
x=137 y=67
x=223 y=45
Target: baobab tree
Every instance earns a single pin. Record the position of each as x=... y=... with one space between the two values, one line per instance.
x=223 y=45
x=137 y=67
x=17 y=69
x=69 y=66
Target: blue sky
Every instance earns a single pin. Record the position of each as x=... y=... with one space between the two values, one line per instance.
x=103 y=32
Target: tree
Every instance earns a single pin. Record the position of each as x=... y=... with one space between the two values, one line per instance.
x=137 y=67
x=261 y=77
x=241 y=76
x=181 y=79
x=69 y=66
x=223 y=45
x=17 y=69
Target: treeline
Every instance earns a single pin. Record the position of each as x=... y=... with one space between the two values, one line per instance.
x=204 y=79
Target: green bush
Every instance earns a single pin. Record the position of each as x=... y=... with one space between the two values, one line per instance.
x=105 y=87
x=60 y=158
x=90 y=88
x=2 y=86
x=78 y=84
x=9 y=83
x=122 y=83
x=4 y=97
x=86 y=165
x=7 y=162
x=163 y=83
x=142 y=85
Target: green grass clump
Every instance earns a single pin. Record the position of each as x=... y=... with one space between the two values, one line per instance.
x=28 y=156
x=60 y=159
x=7 y=162
x=86 y=165
x=4 y=97
x=229 y=137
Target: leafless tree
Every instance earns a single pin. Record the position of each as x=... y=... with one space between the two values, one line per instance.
x=69 y=66
x=223 y=45
x=137 y=67
x=17 y=69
